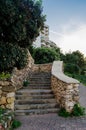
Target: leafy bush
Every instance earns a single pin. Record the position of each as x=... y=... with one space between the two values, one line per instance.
x=25 y=83
x=4 y=76
x=16 y=124
x=77 y=111
x=5 y=116
x=63 y=113
x=2 y=111
x=71 y=68
x=12 y=56
x=45 y=55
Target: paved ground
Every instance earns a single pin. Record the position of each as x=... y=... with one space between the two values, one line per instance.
x=53 y=121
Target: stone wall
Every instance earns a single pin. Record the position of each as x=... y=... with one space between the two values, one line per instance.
x=7 y=95
x=18 y=76
x=65 y=88
x=66 y=94
x=8 y=88
x=42 y=67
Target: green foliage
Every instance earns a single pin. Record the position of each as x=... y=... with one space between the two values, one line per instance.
x=5 y=115
x=77 y=111
x=2 y=111
x=25 y=83
x=4 y=76
x=63 y=113
x=16 y=124
x=71 y=68
x=45 y=55
x=12 y=56
x=81 y=78
x=20 y=21
x=75 y=62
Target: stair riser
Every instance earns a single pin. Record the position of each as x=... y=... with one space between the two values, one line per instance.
x=34 y=97
x=40 y=85
x=30 y=94
x=30 y=107
x=36 y=113
x=31 y=87
x=35 y=102
x=37 y=97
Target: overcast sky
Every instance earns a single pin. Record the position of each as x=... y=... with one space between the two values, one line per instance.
x=67 y=23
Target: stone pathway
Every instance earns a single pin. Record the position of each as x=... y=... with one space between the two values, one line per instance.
x=53 y=121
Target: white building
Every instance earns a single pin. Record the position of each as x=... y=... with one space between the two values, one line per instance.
x=43 y=39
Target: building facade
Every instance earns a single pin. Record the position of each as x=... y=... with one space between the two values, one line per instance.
x=43 y=39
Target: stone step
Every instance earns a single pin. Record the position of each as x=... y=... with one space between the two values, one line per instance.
x=41 y=73
x=35 y=111
x=47 y=96
x=35 y=101
x=37 y=87
x=36 y=106
x=40 y=82
x=37 y=97
x=39 y=79
x=29 y=92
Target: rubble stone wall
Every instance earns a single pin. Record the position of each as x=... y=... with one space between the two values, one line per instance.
x=42 y=67
x=65 y=88
x=18 y=76
x=67 y=94
x=7 y=95
x=8 y=88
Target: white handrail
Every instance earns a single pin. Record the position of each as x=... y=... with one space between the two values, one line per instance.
x=57 y=71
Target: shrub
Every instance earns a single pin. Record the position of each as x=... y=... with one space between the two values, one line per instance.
x=77 y=111
x=16 y=124
x=64 y=113
x=12 y=56
x=71 y=68
x=25 y=83
x=45 y=55
x=4 y=76
x=5 y=116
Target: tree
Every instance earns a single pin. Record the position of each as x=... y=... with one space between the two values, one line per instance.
x=20 y=21
x=76 y=59
x=45 y=55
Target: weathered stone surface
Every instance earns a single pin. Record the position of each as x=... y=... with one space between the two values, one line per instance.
x=8 y=88
x=10 y=100
x=10 y=106
x=12 y=94
x=2 y=100
x=42 y=67
x=3 y=106
x=4 y=83
x=0 y=92
x=65 y=89
x=66 y=95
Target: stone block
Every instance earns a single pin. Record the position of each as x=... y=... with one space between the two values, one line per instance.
x=0 y=92
x=4 y=83
x=2 y=100
x=12 y=94
x=70 y=87
x=10 y=99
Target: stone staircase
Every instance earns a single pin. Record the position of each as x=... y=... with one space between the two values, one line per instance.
x=37 y=97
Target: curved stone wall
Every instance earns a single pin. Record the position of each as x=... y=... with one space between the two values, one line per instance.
x=65 y=88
